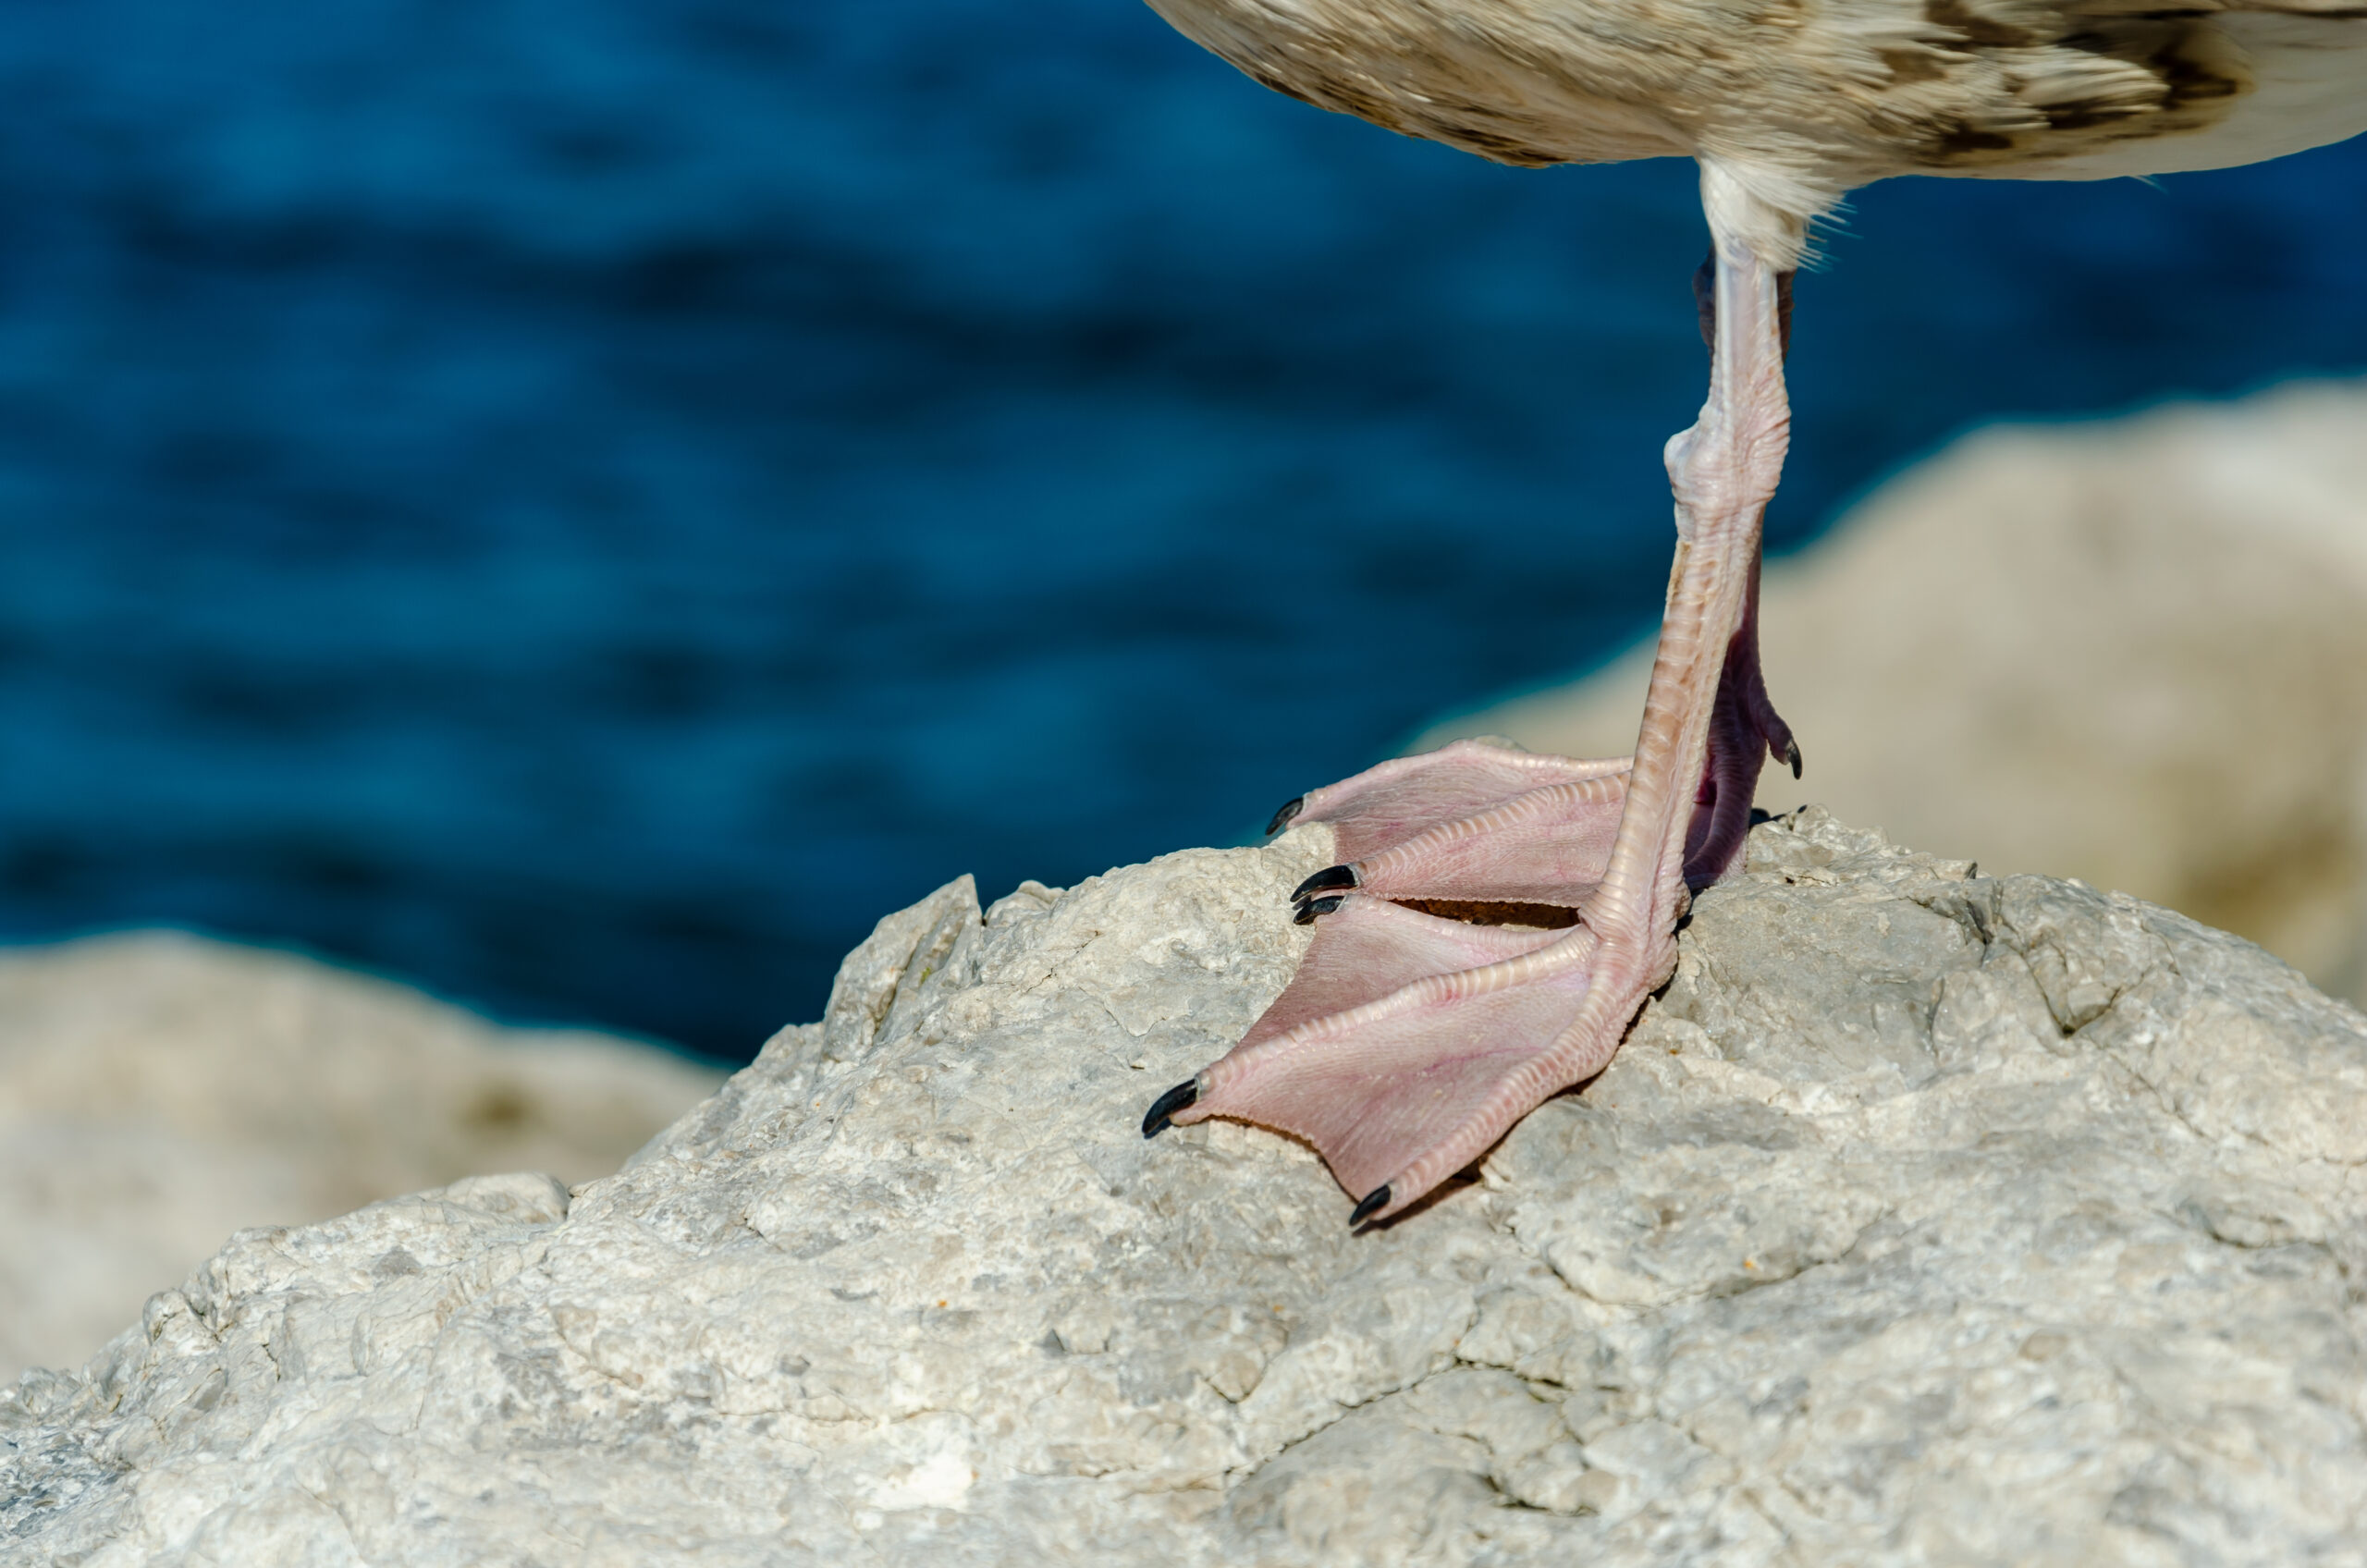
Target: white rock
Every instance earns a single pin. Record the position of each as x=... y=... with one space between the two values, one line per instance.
x=1925 y=1219
x=158 y=1091
x=2148 y=667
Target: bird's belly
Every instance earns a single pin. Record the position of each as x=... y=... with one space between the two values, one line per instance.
x=1506 y=81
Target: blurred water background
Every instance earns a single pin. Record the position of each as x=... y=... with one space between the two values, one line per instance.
x=588 y=504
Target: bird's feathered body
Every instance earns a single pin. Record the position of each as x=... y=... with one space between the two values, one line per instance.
x=1807 y=98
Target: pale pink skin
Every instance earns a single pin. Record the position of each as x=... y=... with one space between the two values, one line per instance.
x=1408 y=1045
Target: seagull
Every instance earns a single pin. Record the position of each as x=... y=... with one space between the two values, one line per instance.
x=1497 y=918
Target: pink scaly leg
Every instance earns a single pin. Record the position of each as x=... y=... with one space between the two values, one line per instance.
x=1403 y=1088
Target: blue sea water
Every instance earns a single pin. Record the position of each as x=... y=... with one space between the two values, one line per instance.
x=587 y=505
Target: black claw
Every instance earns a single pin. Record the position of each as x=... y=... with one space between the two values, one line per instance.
x=1306 y=909
x=1155 y=1120
x=1792 y=755
x=1374 y=1202
x=1291 y=808
x=1325 y=880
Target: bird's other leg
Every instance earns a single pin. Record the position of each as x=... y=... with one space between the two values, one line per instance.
x=1401 y=1091
x=1743 y=729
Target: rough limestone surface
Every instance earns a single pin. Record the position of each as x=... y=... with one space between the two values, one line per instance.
x=158 y=1091
x=1927 y=1218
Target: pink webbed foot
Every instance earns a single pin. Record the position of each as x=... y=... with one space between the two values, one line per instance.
x=1447 y=971
x=1408 y=1044
x=1475 y=822
x=1389 y=803
x=1453 y=859
x=1438 y=1066
x=1461 y=868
